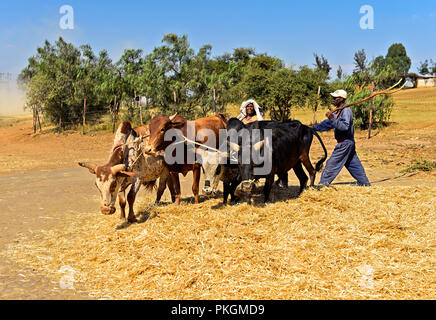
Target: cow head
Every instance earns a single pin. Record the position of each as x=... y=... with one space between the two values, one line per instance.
x=108 y=180
x=109 y=177
x=212 y=170
x=246 y=167
x=244 y=147
x=159 y=125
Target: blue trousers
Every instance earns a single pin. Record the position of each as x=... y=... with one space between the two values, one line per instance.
x=344 y=155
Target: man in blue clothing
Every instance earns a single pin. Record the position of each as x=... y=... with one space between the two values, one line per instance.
x=345 y=152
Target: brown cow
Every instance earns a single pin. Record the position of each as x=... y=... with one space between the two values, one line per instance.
x=112 y=178
x=160 y=125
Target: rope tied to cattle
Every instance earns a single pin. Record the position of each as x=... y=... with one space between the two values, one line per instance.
x=185 y=139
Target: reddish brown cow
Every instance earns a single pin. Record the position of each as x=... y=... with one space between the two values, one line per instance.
x=160 y=124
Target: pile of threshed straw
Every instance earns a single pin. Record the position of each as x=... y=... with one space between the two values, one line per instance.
x=342 y=242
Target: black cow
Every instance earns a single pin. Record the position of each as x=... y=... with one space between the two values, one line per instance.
x=290 y=146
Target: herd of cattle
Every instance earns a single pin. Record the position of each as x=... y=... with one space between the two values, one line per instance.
x=138 y=157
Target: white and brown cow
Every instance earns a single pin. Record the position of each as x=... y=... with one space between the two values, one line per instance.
x=129 y=166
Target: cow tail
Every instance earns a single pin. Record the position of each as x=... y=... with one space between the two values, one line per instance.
x=320 y=163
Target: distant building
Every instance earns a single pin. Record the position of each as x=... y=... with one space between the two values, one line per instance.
x=426 y=81
x=421 y=81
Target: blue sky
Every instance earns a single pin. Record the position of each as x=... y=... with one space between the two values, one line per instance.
x=290 y=30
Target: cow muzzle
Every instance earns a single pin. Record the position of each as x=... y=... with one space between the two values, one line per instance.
x=108 y=210
x=207 y=188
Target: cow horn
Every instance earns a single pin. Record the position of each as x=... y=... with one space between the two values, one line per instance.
x=173 y=116
x=130 y=174
x=90 y=166
x=259 y=145
x=118 y=168
x=234 y=146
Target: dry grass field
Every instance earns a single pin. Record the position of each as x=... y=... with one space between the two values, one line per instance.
x=342 y=242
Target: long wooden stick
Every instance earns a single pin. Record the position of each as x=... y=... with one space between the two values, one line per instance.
x=387 y=91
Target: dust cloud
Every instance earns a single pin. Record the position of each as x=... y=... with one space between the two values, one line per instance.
x=12 y=99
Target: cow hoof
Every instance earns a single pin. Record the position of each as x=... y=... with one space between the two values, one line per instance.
x=235 y=200
x=132 y=220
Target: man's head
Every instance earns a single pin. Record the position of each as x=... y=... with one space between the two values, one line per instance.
x=339 y=97
x=250 y=110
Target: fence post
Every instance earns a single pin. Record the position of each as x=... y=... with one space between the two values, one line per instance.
x=370 y=111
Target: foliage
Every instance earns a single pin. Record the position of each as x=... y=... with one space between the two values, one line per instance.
x=382 y=109
x=176 y=78
x=322 y=65
x=423 y=165
x=360 y=61
x=339 y=73
x=427 y=67
x=398 y=59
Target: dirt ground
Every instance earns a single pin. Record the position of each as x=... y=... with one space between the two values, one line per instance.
x=41 y=184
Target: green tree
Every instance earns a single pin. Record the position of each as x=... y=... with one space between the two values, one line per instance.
x=322 y=65
x=360 y=61
x=339 y=73
x=424 y=67
x=130 y=67
x=398 y=59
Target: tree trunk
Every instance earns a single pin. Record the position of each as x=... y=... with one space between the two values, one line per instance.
x=39 y=121
x=60 y=117
x=34 y=119
x=370 y=111
x=84 y=115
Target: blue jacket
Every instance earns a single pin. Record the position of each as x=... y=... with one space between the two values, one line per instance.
x=342 y=123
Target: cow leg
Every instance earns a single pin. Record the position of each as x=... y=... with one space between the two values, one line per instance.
x=267 y=188
x=161 y=188
x=282 y=182
x=170 y=186
x=196 y=183
x=176 y=184
x=122 y=202
x=308 y=165
x=233 y=185
x=131 y=199
x=226 y=192
x=301 y=175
